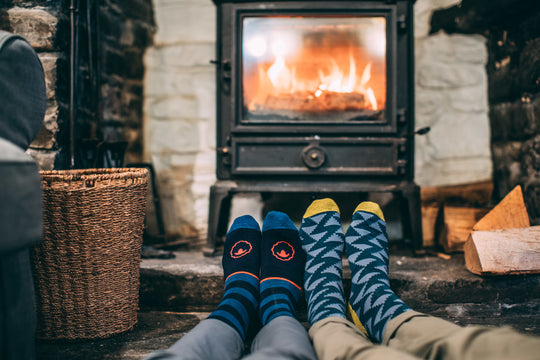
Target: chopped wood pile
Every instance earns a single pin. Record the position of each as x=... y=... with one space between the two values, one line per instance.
x=496 y=241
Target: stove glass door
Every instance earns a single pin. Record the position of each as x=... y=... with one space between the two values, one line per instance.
x=314 y=69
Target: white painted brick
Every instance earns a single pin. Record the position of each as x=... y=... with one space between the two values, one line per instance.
x=459 y=135
x=165 y=82
x=184 y=21
x=205 y=92
x=181 y=55
x=428 y=102
x=454 y=172
x=469 y=99
x=174 y=107
x=449 y=76
x=444 y=48
x=247 y=204
x=173 y=136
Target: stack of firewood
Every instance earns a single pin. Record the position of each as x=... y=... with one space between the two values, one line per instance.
x=496 y=240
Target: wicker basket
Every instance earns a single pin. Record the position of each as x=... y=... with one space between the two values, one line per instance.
x=86 y=270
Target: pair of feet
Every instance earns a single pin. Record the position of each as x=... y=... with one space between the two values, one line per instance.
x=263 y=272
x=371 y=303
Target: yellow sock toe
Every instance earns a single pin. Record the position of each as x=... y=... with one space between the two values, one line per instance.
x=320 y=206
x=370 y=207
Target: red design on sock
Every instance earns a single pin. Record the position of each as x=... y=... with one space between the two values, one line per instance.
x=283 y=251
x=241 y=248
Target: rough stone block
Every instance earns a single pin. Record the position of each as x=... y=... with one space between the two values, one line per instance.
x=529 y=66
x=37 y=26
x=44 y=159
x=135 y=9
x=422 y=14
x=49 y=62
x=518 y=120
x=126 y=63
x=127 y=32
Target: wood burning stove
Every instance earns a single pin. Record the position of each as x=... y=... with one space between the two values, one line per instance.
x=315 y=97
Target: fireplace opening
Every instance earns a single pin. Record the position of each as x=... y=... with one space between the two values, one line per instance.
x=314 y=68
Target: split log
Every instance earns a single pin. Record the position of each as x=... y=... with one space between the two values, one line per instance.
x=473 y=195
x=504 y=252
x=509 y=213
x=454 y=224
x=429 y=217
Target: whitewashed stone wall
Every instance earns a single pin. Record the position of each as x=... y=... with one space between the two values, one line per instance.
x=451 y=97
x=179 y=127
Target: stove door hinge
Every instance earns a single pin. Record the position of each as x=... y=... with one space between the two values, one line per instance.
x=402 y=167
x=402 y=116
x=402 y=23
x=225 y=155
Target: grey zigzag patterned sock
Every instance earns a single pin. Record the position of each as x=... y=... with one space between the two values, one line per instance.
x=366 y=244
x=323 y=241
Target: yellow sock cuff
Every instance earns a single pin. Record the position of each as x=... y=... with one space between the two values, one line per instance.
x=320 y=206
x=370 y=207
x=352 y=317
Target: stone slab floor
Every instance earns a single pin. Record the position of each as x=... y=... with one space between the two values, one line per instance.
x=177 y=293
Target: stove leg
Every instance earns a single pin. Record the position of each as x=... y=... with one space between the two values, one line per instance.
x=218 y=209
x=412 y=216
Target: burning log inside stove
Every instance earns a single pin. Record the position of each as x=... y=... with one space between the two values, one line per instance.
x=305 y=105
x=309 y=102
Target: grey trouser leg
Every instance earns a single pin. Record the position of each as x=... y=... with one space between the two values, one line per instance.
x=282 y=338
x=211 y=339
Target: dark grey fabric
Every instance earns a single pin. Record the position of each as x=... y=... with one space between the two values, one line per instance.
x=22 y=108
x=17 y=307
x=21 y=215
x=22 y=91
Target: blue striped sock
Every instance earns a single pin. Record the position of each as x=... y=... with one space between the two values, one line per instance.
x=239 y=304
x=238 y=308
x=278 y=298
x=372 y=302
x=282 y=267
x=323 y=241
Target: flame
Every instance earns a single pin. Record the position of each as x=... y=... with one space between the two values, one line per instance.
x=278 y=78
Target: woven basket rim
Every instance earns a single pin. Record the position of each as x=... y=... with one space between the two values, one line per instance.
x=92 y=174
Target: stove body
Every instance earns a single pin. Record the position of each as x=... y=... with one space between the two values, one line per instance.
x=315 y=97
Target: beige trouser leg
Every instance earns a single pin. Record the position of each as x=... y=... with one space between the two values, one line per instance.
x=413 y=335
x=337 y=338
x=429 y=337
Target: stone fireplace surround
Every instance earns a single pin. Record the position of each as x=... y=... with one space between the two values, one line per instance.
x=476 y=86
x=451 y=97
